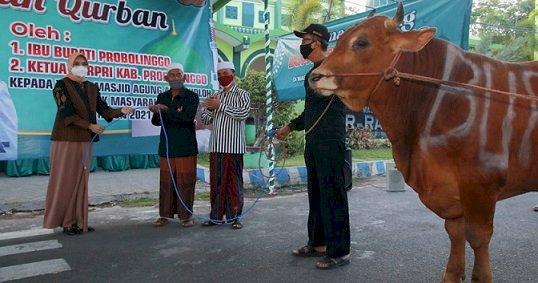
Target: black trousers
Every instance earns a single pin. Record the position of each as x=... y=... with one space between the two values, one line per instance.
x=328 y=217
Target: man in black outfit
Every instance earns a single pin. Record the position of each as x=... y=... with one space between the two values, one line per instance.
x=328 y=217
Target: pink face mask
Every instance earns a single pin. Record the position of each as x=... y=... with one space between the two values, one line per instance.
x=226 y=80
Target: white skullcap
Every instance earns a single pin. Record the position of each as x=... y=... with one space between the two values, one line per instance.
x=174 y=66
x=225 y=65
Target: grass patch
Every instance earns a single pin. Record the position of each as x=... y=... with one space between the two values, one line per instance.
x=203 y=159
x=292 y=161
x=139 y=202
x=203 y=196
x=298 y=159
x=357 y=155
x=148 y=202
x=144 y=202
x=372 y=154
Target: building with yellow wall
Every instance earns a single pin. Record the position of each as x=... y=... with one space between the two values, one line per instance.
x=240 y=27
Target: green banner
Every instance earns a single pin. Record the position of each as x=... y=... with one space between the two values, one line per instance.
x=450 y=17
x=128 y=45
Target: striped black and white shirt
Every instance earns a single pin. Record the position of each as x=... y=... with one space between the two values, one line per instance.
x=228 y=132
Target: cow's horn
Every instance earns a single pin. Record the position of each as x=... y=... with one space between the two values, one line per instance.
x=392 y=24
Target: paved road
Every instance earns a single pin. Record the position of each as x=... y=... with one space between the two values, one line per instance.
x=394 y=239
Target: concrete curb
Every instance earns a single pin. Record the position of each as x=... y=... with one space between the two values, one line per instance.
x=145 y=184
x=287 y=176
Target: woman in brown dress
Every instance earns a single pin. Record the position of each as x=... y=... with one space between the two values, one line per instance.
x=75 y=125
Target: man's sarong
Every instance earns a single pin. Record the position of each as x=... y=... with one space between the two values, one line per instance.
x=226 y=181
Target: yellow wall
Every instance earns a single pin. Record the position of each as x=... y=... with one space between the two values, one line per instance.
x=225 y=48
x=254 y=47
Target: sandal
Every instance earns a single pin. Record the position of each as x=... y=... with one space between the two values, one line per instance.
x=237 y=225
x=330 y=263
x=208 y=223
x=160 y=222
x=536 y=208
x=307 y=251
x=91 y=229
x=187 y=223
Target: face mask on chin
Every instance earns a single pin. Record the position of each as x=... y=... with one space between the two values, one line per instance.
x=226 y=81
x=175 y=84
x=80 y=71
x=306 y=49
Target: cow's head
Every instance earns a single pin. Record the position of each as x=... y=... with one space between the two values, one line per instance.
x=368 y=47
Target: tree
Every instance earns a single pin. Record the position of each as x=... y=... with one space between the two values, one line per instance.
x=305 y=12
x=301 y=13
x=336 y=9
x=505 y=27
x=254 y=82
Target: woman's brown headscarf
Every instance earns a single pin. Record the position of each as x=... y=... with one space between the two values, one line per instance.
x=70 y=62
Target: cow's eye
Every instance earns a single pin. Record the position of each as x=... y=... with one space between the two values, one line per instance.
x=360 y=43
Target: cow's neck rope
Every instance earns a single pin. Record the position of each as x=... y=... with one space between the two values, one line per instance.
x=395 y=75
x=320 y=116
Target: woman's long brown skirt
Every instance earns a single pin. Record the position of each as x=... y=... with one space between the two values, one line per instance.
x=67 y=193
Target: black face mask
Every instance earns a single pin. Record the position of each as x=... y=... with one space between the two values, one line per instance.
x=175 y=84
x=306 y=49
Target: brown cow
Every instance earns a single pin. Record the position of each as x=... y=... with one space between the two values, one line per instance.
x=463 y=135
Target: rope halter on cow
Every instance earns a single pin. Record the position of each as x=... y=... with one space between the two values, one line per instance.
x=391 y=73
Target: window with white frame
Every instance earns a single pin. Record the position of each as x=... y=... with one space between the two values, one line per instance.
x=261 y=19
x=231 y=12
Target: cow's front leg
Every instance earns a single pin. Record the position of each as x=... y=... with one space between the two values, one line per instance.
x=479 y=236
x=479 y=209
x=455 y=268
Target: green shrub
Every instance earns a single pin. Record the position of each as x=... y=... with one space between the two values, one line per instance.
x=362 y=138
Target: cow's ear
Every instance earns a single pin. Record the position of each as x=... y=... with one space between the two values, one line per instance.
x=415 y=40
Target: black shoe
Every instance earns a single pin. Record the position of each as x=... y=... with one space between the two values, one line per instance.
x=72 y=231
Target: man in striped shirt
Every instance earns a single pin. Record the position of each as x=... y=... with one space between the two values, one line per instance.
x=226 y=111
